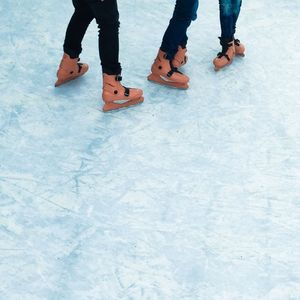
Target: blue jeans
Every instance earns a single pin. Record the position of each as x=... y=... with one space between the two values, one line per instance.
x=176 y=34
x=229 y=13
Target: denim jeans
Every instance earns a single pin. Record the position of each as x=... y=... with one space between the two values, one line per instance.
x=107 y=17
x=229 y=13
x=176 y=34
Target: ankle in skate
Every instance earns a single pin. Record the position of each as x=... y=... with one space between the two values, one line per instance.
x=226 y=56
x=70 y=69
x=164 y=72
x=116 y=96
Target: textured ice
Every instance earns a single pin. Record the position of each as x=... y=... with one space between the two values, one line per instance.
x=192 y=195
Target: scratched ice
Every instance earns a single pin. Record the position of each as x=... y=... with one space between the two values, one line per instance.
x=192 y=195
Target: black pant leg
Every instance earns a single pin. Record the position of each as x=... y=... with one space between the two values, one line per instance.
x=107 y=16
x=77 y=27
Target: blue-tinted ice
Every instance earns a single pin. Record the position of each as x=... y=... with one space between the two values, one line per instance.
x=192 y=195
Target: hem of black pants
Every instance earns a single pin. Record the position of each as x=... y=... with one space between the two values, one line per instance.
x=225 y=38
x=109 y=71
x=169 y=54
x=72 y=53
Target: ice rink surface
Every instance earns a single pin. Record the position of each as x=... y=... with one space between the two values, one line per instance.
x=192 y=195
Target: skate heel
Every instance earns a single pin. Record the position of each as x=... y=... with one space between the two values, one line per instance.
x=116 y=96
x=239 y=48
x=60 y=82
x=167 y=82
x=69 y=69
x=164 y=72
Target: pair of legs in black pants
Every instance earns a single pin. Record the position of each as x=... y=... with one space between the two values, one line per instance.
x=107 y=17
x=114 y=94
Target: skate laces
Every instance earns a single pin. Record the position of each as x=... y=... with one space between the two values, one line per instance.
x=173 y=70
x=225 y=46
x=237 y=42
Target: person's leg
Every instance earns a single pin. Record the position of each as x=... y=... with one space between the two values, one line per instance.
x=184 y=41
x=236 y=8
x=181 y=58
x=229 y=12
x=115 y=96
x=107 y=16
x=226 y=19
x=239 y=47
x=226 y=56
x=172 y=53
x=69 y=67
x=175 y=35
x=77 y=27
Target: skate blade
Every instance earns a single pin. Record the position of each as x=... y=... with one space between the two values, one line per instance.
x=241 y=55
x=60 y=82
x=117 y=106
x=160 y=81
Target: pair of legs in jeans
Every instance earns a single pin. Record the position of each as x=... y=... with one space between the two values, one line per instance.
x=186 y=11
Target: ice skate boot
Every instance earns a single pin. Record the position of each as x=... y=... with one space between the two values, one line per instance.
x=225 y=57
x=164 y=72
x=239 y=48
x=116 y=96
x=180 y=58
x=70 y=69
